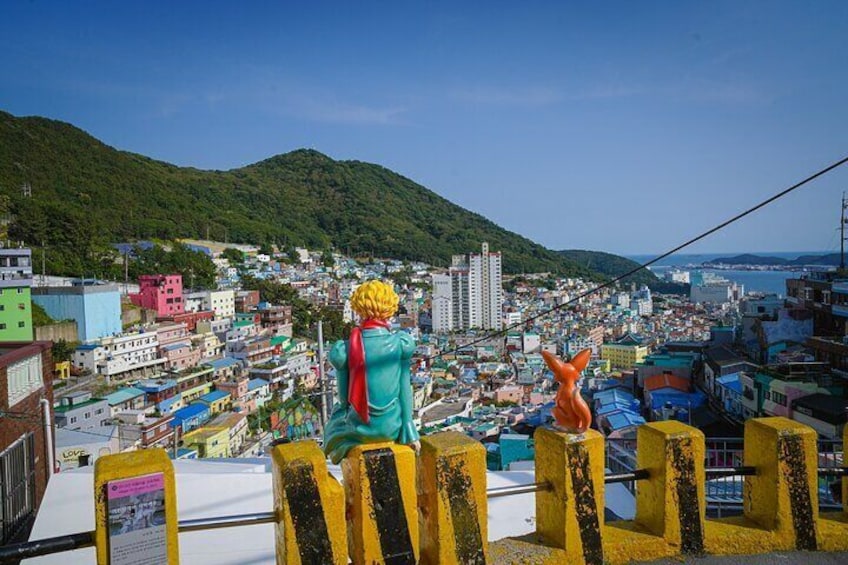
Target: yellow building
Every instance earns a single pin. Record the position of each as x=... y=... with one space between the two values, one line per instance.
x=62 y=370
x=236 y=426
x=218 y=401
x=624 y=353
x=209 y=442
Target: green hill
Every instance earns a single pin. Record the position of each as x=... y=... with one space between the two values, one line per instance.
x=86 y=194
x=610 y=265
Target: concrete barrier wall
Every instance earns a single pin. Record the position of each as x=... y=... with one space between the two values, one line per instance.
x=55 y=332
x=396 y=507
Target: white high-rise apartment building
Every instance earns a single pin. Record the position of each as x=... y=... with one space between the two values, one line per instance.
x=471 y=294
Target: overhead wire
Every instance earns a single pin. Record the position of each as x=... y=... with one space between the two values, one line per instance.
x=647 y=264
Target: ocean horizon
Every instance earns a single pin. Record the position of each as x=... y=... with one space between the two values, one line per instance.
x=753 y=281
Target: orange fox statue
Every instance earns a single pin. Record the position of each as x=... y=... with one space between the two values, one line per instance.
x=571 y=413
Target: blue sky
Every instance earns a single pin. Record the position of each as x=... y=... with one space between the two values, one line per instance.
x=620 y=126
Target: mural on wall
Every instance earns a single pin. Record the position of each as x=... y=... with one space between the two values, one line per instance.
x=298 y=419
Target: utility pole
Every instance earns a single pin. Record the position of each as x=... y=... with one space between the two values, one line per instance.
x=324 y=412
x=842 y=234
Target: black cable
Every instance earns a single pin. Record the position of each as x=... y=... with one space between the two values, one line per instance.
x=608 y=284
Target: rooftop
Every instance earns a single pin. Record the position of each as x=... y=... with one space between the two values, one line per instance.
x=123 y=395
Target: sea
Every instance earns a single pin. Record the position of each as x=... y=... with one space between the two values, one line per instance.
x=754 y=281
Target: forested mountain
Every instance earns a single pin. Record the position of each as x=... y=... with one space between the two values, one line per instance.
x=86 y=195
x=610 y=265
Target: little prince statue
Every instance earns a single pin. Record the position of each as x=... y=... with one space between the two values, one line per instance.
x=372 y=374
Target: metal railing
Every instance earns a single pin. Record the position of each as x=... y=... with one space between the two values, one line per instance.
x=69 y=542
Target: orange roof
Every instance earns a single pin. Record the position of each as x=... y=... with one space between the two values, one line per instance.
x=667 y=380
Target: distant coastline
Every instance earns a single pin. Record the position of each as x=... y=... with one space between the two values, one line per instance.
x=772 y=261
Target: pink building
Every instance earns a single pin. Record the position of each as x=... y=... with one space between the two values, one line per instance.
x=176 y=347
x=162 y=293
x=237 y=388
x=511 y=393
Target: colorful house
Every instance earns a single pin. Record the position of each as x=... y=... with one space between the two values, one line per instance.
x=15 y=301
x=218 y=401
x=624 y=353
x=162 y=293
x=127 y=398
x=209 y=442
x=191 y=417
x=96 y=308
x=237 y=428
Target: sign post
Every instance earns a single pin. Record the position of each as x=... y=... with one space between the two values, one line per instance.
x=136 y=509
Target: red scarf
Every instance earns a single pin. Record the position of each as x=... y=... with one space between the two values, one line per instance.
x=357 y=389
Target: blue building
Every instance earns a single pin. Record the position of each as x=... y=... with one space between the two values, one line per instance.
x=191 y=417
x=96 y=308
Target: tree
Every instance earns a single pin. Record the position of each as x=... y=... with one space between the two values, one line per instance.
x=266 y=249
x=62 y=350
x=327 y=259
x=234 y=256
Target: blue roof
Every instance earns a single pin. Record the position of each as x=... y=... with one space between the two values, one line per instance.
x=254 y=384
x=174 y=346
x=165 y=405
x=624 y=420
x=122 y=395
x=677 y=398
x=152 y=385
x=222 y=363
x=612 y=395
x=731 y=382
x=190 y=411
x=613 y=406
x=213 y=396
x=88 y=347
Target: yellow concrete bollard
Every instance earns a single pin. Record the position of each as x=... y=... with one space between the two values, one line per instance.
x=782 y=496
x=571 y=514
x=382 y=511
x=671 y=503
x=452 y=500
x=309 y=504
x=134 y=489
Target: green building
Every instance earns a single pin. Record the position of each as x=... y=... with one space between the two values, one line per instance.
x=15 y=301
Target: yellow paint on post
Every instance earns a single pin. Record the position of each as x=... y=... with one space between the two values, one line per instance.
x=844 y=478
x=382 y=512
x=783 y=497
x=452 y=499
x=671 y=503
x=310 y=508
x=125 y=466
x=570 y=515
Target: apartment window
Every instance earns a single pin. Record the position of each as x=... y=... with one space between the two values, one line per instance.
x=24 y=377
x=21 y=324
x=2 y=307
x=2 y=326
x=20 y=290
x=87 y=415
x=17 y=489
x=778 y=398
x=21 y=306
x=73 y=420
x=99 y=411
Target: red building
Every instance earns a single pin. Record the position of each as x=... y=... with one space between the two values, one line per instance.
x=162 y=293
x=190 y=319
x=246 y=300
x=26 y=440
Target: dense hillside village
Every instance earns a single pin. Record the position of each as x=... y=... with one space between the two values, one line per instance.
x=221 y=373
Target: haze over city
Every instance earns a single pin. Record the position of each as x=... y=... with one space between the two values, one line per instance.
x=618 y=127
